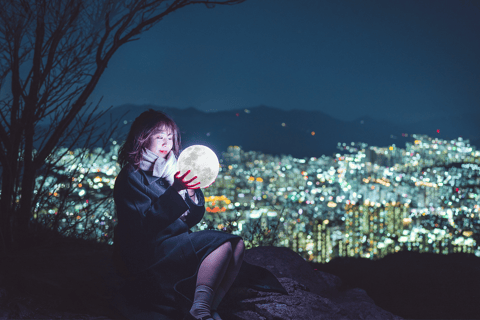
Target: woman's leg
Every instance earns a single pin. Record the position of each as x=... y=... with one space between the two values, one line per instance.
x=210 y=275
x=231 y=272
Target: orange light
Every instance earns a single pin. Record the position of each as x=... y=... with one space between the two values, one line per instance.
x=259 y=179
x=331 y=204
x=79 y=185
x=55 y=194
x=467 y=233
x=313 y=133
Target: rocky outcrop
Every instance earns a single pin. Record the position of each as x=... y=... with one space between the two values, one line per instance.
x=67 y=281
x=311 y=294
x=415 y=285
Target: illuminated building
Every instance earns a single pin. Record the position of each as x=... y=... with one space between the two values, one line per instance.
x=377 y=200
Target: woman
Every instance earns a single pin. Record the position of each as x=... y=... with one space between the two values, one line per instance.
x=172 y=271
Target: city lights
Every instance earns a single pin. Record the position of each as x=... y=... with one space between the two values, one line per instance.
x=367 y=203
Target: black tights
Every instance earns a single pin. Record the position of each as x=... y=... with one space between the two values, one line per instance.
x=220 y=268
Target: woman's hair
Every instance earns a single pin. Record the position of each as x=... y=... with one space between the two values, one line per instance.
x=144 y=126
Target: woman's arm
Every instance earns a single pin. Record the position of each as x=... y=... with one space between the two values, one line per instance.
x=137 y=208
x=197 y=210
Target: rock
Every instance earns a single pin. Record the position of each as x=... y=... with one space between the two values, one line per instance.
x=68 y=281
x=63 y=280
x=311 y=294
x=415 y=285
x=285 y=263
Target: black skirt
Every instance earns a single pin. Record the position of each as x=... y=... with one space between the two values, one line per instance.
x=206 y=241
x=146 y=298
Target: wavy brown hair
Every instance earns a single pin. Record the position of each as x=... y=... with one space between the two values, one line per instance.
x=144 y=126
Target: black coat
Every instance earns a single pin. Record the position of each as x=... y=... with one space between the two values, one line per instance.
x=160 y=253
x=149 y=229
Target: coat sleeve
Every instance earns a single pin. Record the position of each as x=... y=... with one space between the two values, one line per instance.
x=197 y=210
x=163 y=211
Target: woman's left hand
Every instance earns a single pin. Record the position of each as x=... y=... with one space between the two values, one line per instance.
x=180 y=184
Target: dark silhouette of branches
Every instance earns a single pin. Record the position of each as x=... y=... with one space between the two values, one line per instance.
x=256 y=232
x=52 y=55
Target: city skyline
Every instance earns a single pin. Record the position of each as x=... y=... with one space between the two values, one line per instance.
x=367 y=203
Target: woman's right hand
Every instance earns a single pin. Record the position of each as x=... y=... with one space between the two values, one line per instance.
x=180 y=184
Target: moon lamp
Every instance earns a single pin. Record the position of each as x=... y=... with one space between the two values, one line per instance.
x=202 y=162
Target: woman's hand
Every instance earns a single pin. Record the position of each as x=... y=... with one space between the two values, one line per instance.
x=180 y=184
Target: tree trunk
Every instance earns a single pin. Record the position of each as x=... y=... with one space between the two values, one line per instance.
x=6 y=210
x=23 y=215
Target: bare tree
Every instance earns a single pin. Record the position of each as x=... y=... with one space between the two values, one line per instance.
x=52 y=55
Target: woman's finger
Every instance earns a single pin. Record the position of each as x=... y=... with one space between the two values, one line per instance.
x=191 y=186
x=181 y=177
x=184 y=175
x=191 y=179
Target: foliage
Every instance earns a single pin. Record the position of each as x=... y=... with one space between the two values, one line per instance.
x=254 y=232
x=76 y=195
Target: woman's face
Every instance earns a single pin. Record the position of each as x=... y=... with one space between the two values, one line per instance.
x=161 y=142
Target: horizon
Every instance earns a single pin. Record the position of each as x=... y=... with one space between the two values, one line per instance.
x=382 y=131
x=366 y=116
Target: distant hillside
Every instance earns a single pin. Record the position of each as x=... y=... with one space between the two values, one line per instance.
x=260 y=129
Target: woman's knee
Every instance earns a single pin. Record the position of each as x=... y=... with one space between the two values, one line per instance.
x=239 y=249
x=240 y=245
x=226 y=248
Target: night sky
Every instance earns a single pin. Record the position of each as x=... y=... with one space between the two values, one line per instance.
x=392 y=60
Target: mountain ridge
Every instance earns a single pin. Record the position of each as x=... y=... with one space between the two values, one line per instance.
x=300 y=133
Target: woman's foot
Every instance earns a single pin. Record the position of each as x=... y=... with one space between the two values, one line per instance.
x=202 y=302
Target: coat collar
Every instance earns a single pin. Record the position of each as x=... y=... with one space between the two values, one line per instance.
x=149 y=177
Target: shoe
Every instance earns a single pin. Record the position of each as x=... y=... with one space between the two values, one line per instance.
x=190 y=317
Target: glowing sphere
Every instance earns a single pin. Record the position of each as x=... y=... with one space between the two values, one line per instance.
x=202 y=162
